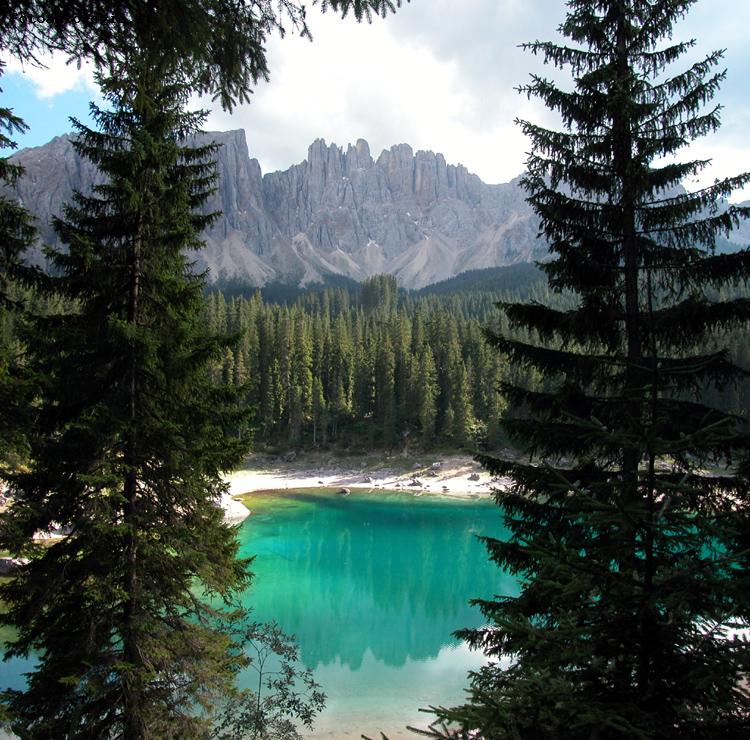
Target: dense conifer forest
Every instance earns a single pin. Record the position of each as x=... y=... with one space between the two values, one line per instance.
x=374 y=365
x=360 y=366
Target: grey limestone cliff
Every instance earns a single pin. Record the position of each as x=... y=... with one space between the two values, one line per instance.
x=338 y=212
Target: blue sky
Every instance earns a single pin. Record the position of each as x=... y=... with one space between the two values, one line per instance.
x=47 y=116
x=439 y=75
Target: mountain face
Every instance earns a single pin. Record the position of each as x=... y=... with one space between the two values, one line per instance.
x=339 y=212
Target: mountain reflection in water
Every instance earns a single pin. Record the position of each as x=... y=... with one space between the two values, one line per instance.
x=383 y=572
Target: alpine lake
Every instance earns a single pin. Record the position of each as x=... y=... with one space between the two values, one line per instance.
x=373 y=585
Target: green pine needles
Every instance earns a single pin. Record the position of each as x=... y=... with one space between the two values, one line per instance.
x=629 y=520
x=127 y=446
x=16 y=235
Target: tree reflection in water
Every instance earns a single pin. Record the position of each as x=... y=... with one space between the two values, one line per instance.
x=383 y=571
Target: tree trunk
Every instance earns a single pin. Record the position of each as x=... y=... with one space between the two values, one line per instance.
x=134 y=725
x=635 y=376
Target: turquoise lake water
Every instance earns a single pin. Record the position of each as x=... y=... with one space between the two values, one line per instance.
x=373 y=585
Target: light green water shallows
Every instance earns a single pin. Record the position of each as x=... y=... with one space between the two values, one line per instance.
x=373 y=585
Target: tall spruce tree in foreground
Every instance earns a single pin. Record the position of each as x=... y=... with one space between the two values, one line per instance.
x=16 y=229
x=632 y=557
x=127 y=448
x=16 y=234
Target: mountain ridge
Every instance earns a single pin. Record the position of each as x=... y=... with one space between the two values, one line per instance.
x=338 y=212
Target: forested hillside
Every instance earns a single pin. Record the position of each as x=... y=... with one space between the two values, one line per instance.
x=373 y=365
x=379 y=366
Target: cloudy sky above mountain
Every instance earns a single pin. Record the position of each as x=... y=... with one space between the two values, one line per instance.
x=440 y=75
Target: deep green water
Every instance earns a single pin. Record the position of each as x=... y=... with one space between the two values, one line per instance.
x=373 y=585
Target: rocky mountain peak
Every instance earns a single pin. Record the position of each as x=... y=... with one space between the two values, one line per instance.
x=338 y=212
x=359 y=154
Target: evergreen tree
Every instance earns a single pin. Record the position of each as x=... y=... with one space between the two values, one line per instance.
x=341 y=373
x=462 y=413
x=319 y=413
x=403 y=399
x=379 y=294
x=632 y=558
x=16 y=230
x=385 y=399
x=284 y=349
x=300 y=378
x=426 y=388
x=16 y=234
x=127 y=448
x=363 y=392
x=268 y=380
x=345 y=344
x=493 y=405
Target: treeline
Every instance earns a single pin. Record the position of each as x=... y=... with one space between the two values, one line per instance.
x=382 y=367
x=377 y=366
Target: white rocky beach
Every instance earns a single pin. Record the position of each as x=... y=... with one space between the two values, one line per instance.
x=453 y=475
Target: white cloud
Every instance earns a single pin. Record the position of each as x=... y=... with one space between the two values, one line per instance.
x=56 y=76
x=441 y=75
x=365 y=81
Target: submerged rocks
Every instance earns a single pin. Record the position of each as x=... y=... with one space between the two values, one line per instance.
x=234 y=511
